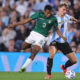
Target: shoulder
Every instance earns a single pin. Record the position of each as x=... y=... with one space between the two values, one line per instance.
x=39 y=12
x=54 y=17
x=67 y=15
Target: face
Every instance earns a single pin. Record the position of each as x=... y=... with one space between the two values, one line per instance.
x=47 y=13
x=62 y=10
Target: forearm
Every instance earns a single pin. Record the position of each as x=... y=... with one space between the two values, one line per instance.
x=23 y=22
x=73 y=19
x=59 y=33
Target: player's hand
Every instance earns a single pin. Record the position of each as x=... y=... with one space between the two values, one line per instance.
x=75 y=20
x=64 y=38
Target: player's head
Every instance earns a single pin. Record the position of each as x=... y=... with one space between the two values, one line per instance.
x=62 y=8
x=47 y=10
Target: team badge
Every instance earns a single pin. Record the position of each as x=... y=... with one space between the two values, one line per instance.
x=49 y=21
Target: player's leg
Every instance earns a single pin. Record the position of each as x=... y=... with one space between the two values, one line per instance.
x=52 y=51
x=34 y=51
x=66 y=49
x=37 y=43
x=72 y=60
x=25 y=45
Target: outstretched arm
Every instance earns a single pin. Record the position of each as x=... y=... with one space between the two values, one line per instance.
x=20 y=23
x=23 y=22
x=74 y=19
x=59 y=33
x=33 y=17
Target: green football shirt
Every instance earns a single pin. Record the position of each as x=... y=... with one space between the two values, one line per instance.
x=43 y=24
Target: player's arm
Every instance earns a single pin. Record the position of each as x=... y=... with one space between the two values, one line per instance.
x=59 y=33
x=33 y=17
x=55 y=24
x=20 y=23
x=73 y=19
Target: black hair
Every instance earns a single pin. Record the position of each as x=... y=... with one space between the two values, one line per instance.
x=48 y=7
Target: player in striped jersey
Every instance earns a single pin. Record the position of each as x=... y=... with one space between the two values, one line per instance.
x=57 y=43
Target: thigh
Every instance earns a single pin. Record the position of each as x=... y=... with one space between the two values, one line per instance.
x=52 y=51
x=65 y=48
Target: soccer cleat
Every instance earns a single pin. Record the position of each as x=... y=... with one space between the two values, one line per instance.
x=22 y=70
x=64 y=70
x=48 y=76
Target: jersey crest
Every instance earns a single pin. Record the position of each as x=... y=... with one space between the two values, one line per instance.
x=49 y=21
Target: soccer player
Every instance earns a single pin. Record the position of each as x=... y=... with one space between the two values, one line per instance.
x=44 y=22
x=57 y=43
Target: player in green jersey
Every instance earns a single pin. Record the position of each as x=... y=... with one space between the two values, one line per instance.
x=44 y=22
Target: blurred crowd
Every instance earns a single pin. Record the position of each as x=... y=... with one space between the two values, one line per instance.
x=12 y=11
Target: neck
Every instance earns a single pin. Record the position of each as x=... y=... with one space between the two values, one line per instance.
x=60 y=14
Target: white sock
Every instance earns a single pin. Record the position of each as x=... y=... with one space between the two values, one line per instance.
x=28 y=61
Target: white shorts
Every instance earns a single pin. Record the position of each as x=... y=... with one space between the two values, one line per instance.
x=36 y=39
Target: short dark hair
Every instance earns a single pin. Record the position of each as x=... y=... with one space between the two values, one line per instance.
x=63 y=4
x=48 y=7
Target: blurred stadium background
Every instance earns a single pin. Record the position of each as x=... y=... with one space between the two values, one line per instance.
x=11 y=56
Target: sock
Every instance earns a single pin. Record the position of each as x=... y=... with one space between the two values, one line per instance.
x=67 y=64
x=28 y=61
x=49 y=65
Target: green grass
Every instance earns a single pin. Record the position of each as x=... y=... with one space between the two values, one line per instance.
x=33 y=76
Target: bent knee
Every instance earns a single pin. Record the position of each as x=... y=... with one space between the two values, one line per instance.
x=35 y=49
x=51 y=56
x=75 y=61
x=25 y=45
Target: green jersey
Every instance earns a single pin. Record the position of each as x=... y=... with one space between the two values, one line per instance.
x=43 y=24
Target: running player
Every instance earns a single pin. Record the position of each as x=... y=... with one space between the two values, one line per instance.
x=45 y=21
x=57 y=43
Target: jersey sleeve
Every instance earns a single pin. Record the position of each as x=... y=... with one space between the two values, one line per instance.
x=35 y=15
x=55 y=23
x=68 y=18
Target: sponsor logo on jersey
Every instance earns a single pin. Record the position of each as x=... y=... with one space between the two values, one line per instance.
x=41 y=18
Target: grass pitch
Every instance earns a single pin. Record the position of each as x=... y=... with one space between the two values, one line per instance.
x=33 y=76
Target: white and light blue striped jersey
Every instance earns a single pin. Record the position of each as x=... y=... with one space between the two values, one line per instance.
x=63 y=27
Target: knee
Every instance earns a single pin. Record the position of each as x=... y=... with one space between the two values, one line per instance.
x=35 y=50
x=52 y=52
x=75 y=61
x=51 y=56
x=24 y=45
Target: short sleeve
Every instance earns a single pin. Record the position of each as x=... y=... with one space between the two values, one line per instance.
x=68 y=17
x=55 y=23
x=35 y=15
